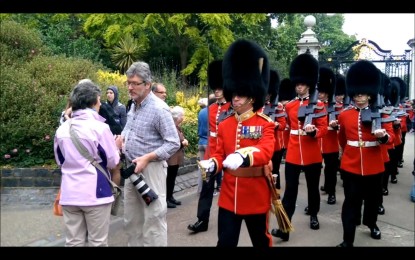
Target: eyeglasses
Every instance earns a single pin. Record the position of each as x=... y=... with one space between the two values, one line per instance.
x=134 y=84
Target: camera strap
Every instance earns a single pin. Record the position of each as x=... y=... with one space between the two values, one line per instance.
x=84 y=152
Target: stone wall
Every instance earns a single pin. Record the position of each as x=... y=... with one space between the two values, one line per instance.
x=29 y=186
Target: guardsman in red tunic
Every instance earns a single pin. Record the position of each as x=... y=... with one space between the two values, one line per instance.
x=215 y=111
x=275 y=111
x=403 y=116
x=329 y=143
x=245 y=147
x=307 y=119
x=285 y=94
x=361 y=163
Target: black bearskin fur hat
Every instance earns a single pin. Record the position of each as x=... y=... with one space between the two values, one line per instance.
x=340 y=85
x=363 y=78
x=287 y=90
x=402 y=88
x=245 y=71
x=392 y=93
x=304 y=69
x=326 y=81
x=274 y=85
x=214 y=74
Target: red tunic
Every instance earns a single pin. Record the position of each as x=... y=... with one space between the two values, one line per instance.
x=245 y=195
x=280 y=118
x=329 y=143
x=214 y=111
x=360 y=160
x=304 y=149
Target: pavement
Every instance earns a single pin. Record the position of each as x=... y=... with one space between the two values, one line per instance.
x=36 y=226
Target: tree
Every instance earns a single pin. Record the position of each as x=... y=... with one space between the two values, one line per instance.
x=199 y=38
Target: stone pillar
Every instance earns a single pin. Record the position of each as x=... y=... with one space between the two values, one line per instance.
x=308 y=41
x=411 y=44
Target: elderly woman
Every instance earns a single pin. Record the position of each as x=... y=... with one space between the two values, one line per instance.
x=176 y=160
x=86 y=195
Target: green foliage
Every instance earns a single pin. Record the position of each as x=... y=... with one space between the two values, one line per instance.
x=34 y=92
x=126 y=52
x=18 y=42
x=190 y=133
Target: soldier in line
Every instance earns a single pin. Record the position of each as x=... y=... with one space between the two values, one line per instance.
x=360 y=142
x=215 y=112
x=329 y=143
x=307 y=124
x=275 y=110
x=245 y=147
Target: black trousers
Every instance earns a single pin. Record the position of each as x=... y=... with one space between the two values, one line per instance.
x=276 y=163
x=358 y=188
x=171 y=180
x=312 y=176
x=400 y=148
x=331 y=166
x=391 y=168
x=229 y=228
x=206 y=197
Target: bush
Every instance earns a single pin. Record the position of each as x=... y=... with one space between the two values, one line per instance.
x=32 y=101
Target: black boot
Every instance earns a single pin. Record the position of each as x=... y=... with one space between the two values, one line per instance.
x=314 y=224
x=345 y=244
x=375 y=232
x=331 y=199
x=278 y=233
x=199 y=226
x=174 y=201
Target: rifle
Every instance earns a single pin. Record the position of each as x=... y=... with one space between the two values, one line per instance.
x=306 y=113
x=372 y=115
x=331 y=110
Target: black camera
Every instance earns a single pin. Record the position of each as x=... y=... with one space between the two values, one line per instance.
x=137 y=180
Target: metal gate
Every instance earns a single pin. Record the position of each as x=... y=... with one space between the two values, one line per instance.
x=391 y=65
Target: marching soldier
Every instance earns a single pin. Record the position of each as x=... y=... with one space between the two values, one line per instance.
x=329 y=143
x=215 y=112
x=307 y=119
x=275 y=111
x=245 y=147
x=360 y=142
x=285 y=95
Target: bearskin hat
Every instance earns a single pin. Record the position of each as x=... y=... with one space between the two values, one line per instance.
x=304 y=69
x=363 y=78
x=402 y=88
x=274 y=85
x=340 y=85
x=392 y=92
x=326 y=81
x=287 y=90
x=214 y=74
x=245 y=71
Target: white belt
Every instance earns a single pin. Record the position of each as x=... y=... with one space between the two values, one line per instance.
x=363 y=143
x=298 y=132
x=213 y=134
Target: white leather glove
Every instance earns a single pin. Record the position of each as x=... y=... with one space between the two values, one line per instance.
x=207 y=165
x=233 y=161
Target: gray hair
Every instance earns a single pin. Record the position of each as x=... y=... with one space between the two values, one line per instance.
x=140 y=69
x=84 y=95
x=177 y=112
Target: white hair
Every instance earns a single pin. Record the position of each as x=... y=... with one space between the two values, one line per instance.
x=177 y=112
x=203 y=102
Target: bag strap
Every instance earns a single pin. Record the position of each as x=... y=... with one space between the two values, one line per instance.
x=84 y=152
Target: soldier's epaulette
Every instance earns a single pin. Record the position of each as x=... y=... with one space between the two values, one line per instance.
x=347 y=108
x=226 y=116
x=386 y=110
x=265 y=117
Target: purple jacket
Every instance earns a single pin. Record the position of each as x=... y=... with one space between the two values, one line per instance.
x=83 y=184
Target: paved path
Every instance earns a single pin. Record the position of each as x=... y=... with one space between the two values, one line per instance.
x=36 y=226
